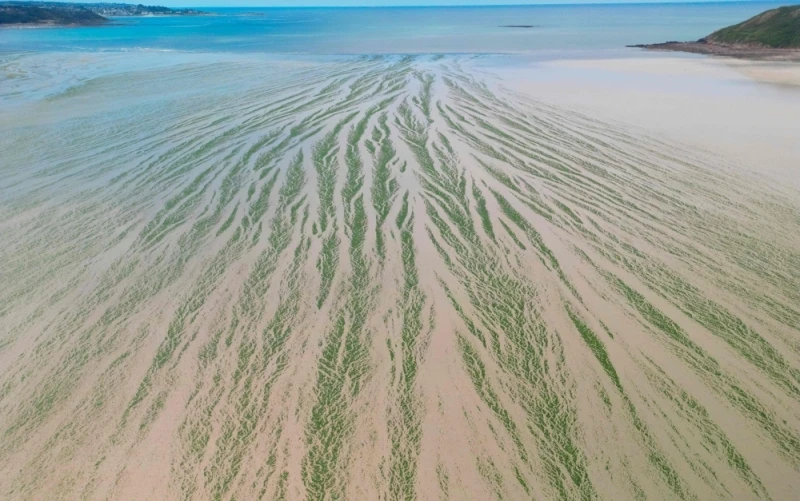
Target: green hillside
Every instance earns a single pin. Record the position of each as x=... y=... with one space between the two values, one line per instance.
x=776 y=28
x=31 y=14
x=78 y=14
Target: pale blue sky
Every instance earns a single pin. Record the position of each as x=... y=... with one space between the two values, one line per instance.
x=372 y=3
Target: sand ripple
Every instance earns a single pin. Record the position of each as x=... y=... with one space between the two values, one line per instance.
x=381 y=278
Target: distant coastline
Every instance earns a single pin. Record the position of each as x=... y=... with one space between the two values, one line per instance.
x=57 y=14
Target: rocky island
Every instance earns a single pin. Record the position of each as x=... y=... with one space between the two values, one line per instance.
x=26 y=14
x=772 y=35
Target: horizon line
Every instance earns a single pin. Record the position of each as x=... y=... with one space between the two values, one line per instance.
x=372 y=5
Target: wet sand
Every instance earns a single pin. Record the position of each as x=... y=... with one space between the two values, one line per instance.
x=743 y=110
x=398 y=278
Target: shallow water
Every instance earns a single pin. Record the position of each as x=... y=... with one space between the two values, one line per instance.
x=379 y=277
x=398 y=30
x=228 y=273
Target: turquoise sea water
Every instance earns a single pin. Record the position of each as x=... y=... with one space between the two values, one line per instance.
x=395 y=30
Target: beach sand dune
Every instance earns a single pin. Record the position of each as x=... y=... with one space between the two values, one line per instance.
x=381 y=278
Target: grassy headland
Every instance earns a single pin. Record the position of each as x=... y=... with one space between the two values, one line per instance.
x=773 y=34
x=777 y=28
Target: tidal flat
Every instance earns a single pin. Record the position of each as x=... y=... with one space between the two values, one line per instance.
x=386 y=277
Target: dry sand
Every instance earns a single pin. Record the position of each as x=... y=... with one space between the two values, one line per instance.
x=398 y=278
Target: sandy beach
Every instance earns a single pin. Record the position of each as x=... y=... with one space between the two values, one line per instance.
x=399 y=277
x=743 y=110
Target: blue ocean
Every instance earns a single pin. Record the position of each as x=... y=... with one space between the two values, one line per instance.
x=511 y=29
